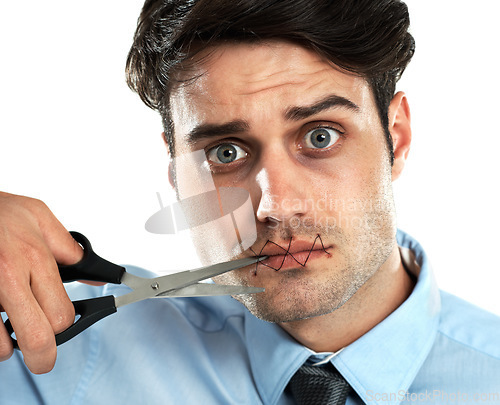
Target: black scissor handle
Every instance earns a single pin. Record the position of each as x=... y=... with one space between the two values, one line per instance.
x=92 y=267
x=90 y=311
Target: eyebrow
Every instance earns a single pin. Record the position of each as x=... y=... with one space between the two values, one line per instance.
x=295 y=113
x=332 y=101
x=212 y=130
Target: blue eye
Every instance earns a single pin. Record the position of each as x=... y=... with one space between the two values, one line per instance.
x=225 y=153
x=320 y=138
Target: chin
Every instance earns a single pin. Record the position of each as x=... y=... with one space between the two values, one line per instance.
x=280 y=305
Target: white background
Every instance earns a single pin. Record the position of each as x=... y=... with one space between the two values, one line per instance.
x=73 y=134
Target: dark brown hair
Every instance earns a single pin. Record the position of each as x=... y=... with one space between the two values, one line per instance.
x=369 y=38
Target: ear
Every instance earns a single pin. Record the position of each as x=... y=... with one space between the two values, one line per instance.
x=400 y=129
x=171 y=174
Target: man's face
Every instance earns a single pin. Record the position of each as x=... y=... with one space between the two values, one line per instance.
x=306 y=141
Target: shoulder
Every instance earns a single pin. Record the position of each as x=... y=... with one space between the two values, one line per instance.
x=470 y=326
x=465 y=356
x=467 y=343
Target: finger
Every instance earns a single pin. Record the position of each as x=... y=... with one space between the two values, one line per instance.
x=48 y=289
x=65 y=249
x=29 y=260
x=28 y=216
x=6 y=348
x=94 y=283
x=34 y=335
x=63 y=246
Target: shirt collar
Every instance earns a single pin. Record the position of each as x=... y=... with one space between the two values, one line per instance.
x=382 y=362
x=274 y=357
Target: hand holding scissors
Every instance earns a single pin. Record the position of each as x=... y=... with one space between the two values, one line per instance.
x=182 y=284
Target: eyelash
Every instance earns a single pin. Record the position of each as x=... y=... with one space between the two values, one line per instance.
x=220 y=167
x=341 y=135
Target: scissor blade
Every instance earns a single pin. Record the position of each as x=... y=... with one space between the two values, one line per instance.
x=179 y=280
x=205 y=289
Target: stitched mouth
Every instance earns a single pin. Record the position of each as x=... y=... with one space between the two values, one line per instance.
x=278 y=254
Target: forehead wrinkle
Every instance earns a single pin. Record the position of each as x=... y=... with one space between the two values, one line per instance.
x=271 y=75
x=268 y=88
x=299 y=79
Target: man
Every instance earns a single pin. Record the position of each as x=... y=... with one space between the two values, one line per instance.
x=293 y=108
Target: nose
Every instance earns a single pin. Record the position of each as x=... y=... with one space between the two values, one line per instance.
x=281 y=191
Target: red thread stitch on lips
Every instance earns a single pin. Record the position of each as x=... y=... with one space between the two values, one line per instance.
x=287 y=253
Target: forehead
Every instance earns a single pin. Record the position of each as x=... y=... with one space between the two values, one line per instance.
x=255 y=81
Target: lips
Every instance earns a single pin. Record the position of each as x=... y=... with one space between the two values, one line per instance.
x=288 y=255
x=288 y=261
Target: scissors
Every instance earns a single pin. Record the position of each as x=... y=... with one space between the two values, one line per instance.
x=94 y=268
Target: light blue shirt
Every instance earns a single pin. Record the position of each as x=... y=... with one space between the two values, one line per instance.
x=434 y=348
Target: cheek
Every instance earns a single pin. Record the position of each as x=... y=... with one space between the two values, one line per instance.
x=355 y=186
x=366 y=169
x=344 y=182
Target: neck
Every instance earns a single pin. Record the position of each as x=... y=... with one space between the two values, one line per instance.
x=385 y=291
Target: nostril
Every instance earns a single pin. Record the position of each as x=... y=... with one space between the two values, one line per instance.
x=273 y=219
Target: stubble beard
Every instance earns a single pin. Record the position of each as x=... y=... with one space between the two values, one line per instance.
x=298 y=295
